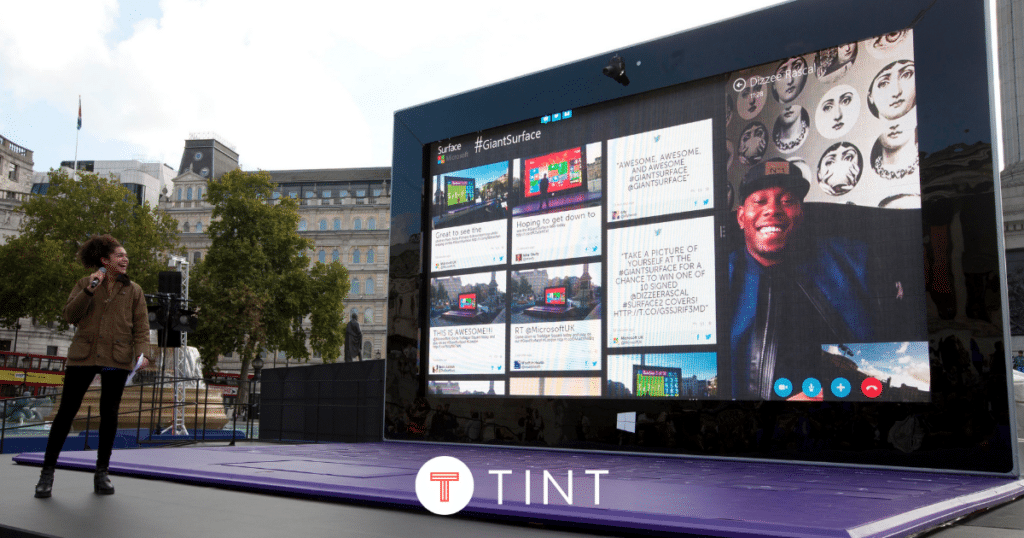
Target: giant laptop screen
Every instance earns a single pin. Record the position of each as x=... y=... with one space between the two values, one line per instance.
x=794 y=258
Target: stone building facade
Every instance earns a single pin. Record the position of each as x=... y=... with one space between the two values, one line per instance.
x=16 y=178
x=1010 y=32
x=15 y=183
x=15 y=167
x=346 y=212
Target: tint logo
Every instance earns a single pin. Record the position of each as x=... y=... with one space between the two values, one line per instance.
x=444 y=485
x=549 y=479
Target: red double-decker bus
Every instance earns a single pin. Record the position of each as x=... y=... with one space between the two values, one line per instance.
x=40 y=375
x=225 y=382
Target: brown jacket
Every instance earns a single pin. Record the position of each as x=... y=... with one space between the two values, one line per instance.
x=112 y=329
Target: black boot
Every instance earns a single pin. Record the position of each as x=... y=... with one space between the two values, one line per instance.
x=45 y=486
x=101 y=482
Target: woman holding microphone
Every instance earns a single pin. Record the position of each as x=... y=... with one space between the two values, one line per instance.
x=112 y=329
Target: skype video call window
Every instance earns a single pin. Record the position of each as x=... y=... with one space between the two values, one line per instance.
x=747 y=237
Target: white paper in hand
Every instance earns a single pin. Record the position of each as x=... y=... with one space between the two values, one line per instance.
x=131 y=375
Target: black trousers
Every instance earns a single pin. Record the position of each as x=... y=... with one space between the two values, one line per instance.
x=76 y=383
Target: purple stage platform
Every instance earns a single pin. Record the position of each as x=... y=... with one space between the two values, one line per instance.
x=672 y=495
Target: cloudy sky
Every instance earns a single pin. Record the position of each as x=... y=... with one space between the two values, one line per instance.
x=297 y=84
x=904 y=363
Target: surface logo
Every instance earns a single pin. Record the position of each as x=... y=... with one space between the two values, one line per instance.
x=444 y=485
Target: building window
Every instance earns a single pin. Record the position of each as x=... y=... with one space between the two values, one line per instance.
x=356 y=256
x=322 y=257
x=199 y=193
x=51 y=350
x=199 y=227
x=197 y=257
x=302 y=225
x=323 y=224
x=369 y=286
x=185 y=227
x=189 y=195
x=369 y=256
x=337 y=224
x=368 y=316
x=367 y=350
x=325 y=194
x=371 y=224
x=357 y=224
x=335 y=255
x=355 y=287
x=179 y=194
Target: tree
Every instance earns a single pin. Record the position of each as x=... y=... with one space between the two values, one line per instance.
x=524 y=287
x=255 y=286
x=40 y=266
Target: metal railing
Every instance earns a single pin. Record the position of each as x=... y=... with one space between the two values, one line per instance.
x=155 y=411
x=320 y=404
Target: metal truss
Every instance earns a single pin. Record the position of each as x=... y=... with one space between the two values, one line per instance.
x=180 y=354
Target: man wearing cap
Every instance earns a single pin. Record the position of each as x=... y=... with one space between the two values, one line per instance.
x=790 y=291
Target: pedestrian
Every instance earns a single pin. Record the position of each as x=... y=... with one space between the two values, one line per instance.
x=112 y=332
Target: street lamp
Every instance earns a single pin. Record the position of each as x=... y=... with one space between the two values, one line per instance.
x=17 y=327
x=377 y=356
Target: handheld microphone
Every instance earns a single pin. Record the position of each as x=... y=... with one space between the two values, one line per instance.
x=96 y=281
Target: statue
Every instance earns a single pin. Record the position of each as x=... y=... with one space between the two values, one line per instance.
x=353 y=339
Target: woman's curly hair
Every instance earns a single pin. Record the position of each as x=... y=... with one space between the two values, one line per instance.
x=98 y=246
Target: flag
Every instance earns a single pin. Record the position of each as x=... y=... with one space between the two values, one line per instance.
x=79 y=112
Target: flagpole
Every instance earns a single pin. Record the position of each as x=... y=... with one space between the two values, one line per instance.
x=74 y=171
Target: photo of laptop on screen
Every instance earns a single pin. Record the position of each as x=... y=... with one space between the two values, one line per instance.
x=472 y=311
x=467 y=310
x=554 y=305
x=553 y=182
x=470 y=196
